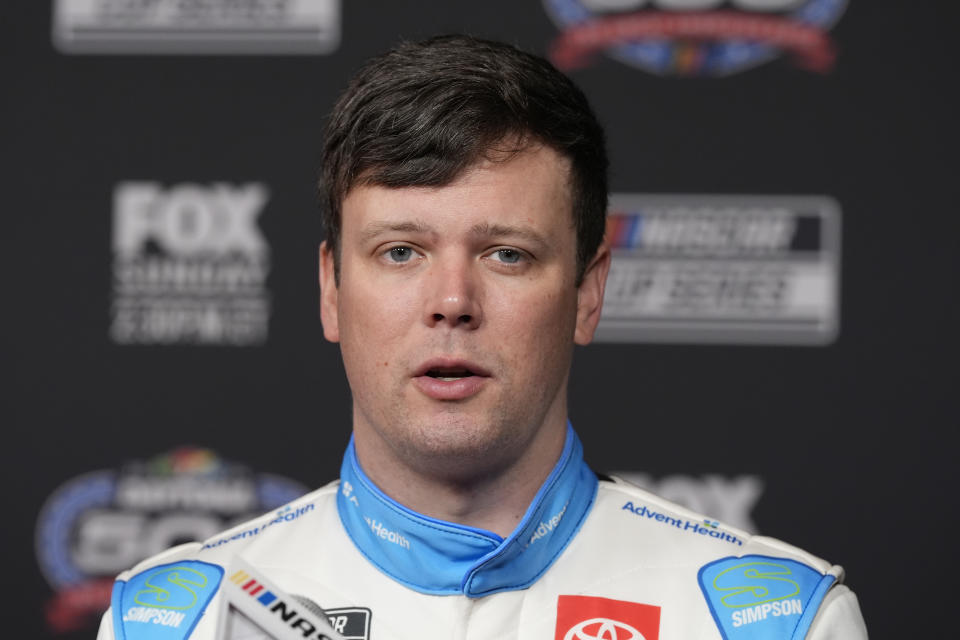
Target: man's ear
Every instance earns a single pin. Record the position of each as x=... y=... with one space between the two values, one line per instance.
x=328 y=295
x=590 y=295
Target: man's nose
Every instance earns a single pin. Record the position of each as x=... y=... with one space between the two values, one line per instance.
x=452 y=298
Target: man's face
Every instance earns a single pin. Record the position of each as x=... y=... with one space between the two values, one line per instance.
x=457 y=311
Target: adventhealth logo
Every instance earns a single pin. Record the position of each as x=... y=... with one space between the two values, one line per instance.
x=287 y=514
x=546 y=527
x=705 y=528
x=386 y=534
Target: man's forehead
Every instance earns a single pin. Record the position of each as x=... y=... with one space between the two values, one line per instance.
x=533 y=174
x=504 y=151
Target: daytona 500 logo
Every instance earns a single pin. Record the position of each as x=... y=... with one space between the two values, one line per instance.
x=695 y=37
x=102 y=522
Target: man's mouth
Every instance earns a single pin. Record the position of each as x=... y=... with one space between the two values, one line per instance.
x=450 y=379
x=450 y=369
x=450 y=374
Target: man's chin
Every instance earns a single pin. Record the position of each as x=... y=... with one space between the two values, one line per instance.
x=456 y=445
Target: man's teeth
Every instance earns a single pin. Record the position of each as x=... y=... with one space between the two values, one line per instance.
x=449 y=376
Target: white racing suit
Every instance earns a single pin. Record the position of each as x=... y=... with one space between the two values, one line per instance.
x=590 y=560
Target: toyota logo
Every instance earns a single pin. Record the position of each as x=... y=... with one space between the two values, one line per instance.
x=603 y=629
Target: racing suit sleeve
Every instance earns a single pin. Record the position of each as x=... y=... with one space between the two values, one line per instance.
x=838 y=618
x=106 y=626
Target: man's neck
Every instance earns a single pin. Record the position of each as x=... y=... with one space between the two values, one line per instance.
x=490 y=499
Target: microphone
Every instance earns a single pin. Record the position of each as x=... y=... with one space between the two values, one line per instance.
x=254 y=608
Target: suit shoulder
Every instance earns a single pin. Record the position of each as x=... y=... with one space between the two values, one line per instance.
x=178 y=553
x=677 y=525
x=751 y=585
x=270 y=524
x=173 y=589
x=220 y=547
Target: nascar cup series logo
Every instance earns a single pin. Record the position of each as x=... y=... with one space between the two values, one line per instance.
x=190 y=264
x=695 y=37
x=736 y=269
x=196 y=26
x=102 y=522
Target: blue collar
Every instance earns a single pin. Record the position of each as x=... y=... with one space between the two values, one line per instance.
x=444 y=558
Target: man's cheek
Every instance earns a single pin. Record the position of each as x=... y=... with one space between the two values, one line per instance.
x=382 y=310
x=549 y=315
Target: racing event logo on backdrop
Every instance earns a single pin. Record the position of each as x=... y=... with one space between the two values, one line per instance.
x=101 y=523
x=722 y=269
x=592 y=618
x=197 y=26
x=190 y=265
x=695 y=37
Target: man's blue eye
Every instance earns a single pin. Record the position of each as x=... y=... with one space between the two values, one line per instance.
x=401 y=254
x=509 y=256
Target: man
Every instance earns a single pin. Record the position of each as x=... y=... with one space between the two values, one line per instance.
x=464 y=188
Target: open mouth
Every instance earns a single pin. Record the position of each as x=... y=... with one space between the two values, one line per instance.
x=450 y=374
x=450 y=369
x=450 y=378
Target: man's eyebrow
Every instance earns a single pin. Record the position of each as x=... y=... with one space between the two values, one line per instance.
x=374 y=229
x=508 y=231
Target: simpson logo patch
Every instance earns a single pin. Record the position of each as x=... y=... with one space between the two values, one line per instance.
x=762 y=598
x=164 y=602
x=591 y=618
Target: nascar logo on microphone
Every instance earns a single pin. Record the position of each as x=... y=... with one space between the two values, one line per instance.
x=253 y=588
x=695 y=37
x=255 y=599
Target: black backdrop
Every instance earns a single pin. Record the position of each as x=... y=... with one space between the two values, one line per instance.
x=849 y=440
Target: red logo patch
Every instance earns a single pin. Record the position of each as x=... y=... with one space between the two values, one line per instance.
x=589 y=618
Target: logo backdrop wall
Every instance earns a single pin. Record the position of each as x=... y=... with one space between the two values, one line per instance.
x=780 y=316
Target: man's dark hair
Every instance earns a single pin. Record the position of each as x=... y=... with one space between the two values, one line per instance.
x=422 y=113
